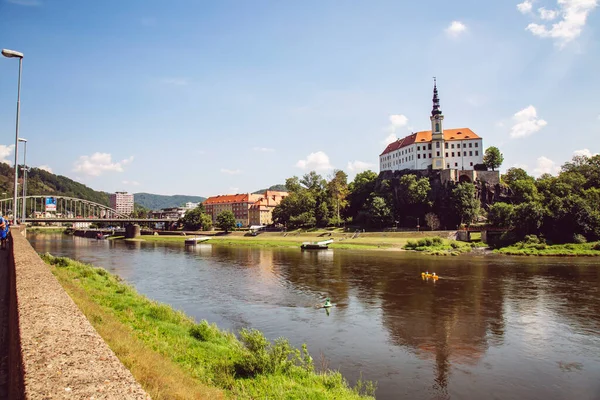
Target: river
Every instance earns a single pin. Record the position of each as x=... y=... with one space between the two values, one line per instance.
x=492 y=327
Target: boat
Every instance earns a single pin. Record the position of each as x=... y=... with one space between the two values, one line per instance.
x=196 y=240
x=428 y=275
x=316 y=245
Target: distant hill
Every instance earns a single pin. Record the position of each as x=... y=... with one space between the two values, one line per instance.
x=157 y=201
x=44 y=182
x=279 y=187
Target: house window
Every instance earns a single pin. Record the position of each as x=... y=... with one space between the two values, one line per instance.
x=448 y=166
x=476 y=153
x=438 y=154
x=453 y=145
x=470 y=144
x=429 y=146
x=464 y=145
x=429 y=155
x=437 y=145
x=476 y=144
x=418 y=147
x=446 y=154
x=418 y=156
x=452 y=154
x=470 y=153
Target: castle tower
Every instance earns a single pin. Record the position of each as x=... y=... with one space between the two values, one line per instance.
x=437 y=131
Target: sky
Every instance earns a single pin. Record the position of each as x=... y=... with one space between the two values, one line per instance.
x=212 y=97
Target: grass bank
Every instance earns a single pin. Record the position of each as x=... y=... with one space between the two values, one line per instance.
x=529 y=248
x=43 y=229
x=363 y=241
x=441 y=247
x=173 y=357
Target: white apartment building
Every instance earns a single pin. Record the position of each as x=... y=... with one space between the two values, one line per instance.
x=438 y=148
x=121 y=202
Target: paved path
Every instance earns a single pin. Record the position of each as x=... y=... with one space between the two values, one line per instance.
x=3 y=324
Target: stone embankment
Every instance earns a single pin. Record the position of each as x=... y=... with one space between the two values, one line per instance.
x=49 y=348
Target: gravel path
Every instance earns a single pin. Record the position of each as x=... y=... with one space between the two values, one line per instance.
x=63 y=355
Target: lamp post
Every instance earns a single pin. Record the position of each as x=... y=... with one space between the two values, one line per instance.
x=23 y=216
x=15 y=54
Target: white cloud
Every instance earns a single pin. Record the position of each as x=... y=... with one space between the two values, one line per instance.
x=98 y=163
x=456 y=28
x=359 y=166
x=6 y=151
x=389 y=139
x=546 y=14
x=396 y=121
x=584 y=152
x=176 y=81
x=264 y=149
x=231 y=171
x=499 y=124
x=525 y=7
x=526 y=123
x=132 y=183
x=25 y=2
x=574 y=14
x=318 y=161
x=544 y=165
x=45 y=168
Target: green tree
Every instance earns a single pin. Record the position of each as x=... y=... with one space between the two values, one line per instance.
x=193 y=219
x=528 y=218
x=360 y=191
x=226 y=221
x=501 y=215
x=206 y=221
x=338 y=192
x=464 y=202
x=379 y=212
x=515 y=174
x=493 y=158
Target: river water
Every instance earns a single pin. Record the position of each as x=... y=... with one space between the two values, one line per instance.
x=492 y=327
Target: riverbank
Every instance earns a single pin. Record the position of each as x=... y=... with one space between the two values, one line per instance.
x=437 y=246
x=175 y=358
x=542 y=249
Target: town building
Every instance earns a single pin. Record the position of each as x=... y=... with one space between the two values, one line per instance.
x=438 y=148
x=247 y=208
x=122 y=202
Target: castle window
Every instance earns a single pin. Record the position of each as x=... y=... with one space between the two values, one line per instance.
x=437 y=145
x=446 y=154
x=438 y=154
x=456 y=164
x=452 y=145
x=418 y=156
x=429 y=155
x=476 y=153
x=445 y=145
x=448 y=166
x=471 y=163
x=470 y=144
x=458 y=154
x=470 y=153
x=418 y=147
x=464 y=145
x=476 y=144
x=452 y=154
x=429 y=146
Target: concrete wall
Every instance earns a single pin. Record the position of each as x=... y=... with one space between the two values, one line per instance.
x=61 y=355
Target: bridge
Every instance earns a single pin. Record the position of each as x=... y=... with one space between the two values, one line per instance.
x=69 y=209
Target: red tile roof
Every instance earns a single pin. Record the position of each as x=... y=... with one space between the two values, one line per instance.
x=425 y=137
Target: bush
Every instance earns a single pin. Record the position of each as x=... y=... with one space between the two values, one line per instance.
x=411 y=245
x=596 y=246
x=204 y=331
x=437 y=241
x=454 y=245
x=531 y=239
x=579 y=238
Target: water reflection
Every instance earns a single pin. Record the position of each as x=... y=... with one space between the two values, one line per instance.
x=489 y=327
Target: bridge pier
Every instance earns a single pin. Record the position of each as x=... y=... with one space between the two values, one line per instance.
x=132 y=231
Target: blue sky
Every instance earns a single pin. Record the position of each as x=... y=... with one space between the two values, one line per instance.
x=209 y=97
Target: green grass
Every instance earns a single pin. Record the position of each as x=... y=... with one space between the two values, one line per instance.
x=543 y=249
x=441 y=247
x=173 y=357
x=42 y=229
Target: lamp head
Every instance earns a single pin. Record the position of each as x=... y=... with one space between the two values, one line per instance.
x=11 y=53
x=22 y=140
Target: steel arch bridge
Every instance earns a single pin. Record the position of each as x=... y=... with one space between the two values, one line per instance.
x=66 y=207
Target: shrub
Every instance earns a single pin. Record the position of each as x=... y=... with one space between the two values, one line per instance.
x=596 y=246
x=454 y=245
x=437 y=241
x=531 y=239
x=204 y=331
x=579 y=238
x=411 y=244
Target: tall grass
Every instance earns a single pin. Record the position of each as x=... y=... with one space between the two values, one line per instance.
x=439 y=247
x=173 y=357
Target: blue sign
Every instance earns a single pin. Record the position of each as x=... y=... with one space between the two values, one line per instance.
x=50 y=203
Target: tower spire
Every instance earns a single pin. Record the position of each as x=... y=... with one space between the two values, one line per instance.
x=436 y=101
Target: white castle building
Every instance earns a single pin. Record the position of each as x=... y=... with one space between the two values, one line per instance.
x=438 y=148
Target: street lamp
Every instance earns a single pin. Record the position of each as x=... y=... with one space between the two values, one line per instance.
x=24 y=177
x=15 y=54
